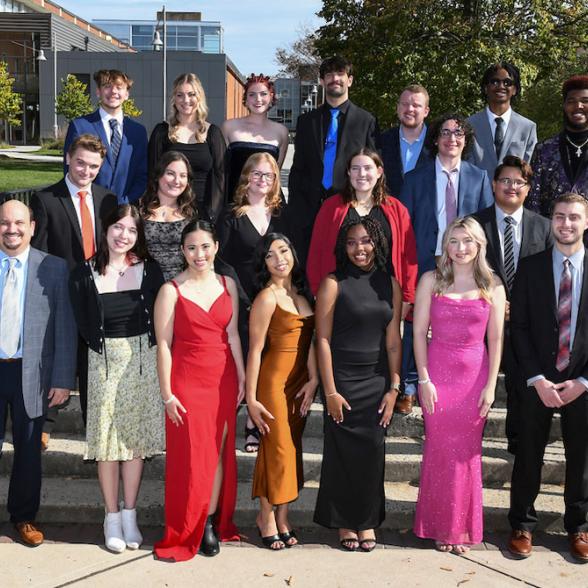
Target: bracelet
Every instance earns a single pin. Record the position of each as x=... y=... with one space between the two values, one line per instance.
x=423 y=382
x=169 y=400
x=395 y=387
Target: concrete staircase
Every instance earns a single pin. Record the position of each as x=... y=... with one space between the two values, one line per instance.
x=71 y=492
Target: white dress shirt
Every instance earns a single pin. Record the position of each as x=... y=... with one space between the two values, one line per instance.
x=73 y=192
x=517 y=231
x=105 y=118
x=441 y=179
x=492 y=120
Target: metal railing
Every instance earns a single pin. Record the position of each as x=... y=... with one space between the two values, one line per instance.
x=24 y=194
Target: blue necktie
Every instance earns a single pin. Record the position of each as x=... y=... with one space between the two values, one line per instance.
x=330 y=153
x=115 y=139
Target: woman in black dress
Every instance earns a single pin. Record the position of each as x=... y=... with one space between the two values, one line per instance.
x=359 y=352
x=203 y=144
x=256 y=212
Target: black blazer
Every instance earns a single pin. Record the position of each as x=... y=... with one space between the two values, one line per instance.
x=533 y=321
x=305 y=191
x=391 y=156
x=57 y=229
x=536 y=237
x=88 y=309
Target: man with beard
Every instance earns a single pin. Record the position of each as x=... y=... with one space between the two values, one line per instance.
x=499 y=130
x=549 y=333
x=560 y=164
x=325 y=140
x=403 y=147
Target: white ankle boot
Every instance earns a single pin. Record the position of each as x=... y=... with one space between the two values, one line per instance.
x=113 y=535
x=131 y=533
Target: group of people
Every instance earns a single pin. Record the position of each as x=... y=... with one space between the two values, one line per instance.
x=405 y=261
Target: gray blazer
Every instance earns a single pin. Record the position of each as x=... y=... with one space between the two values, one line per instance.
x=520 y=140
x=50 y=335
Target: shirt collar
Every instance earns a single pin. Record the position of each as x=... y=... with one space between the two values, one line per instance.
x=73 y=189
x=576 y=260
x=505 y=117
x=439 y=166
x=22 y=257
x=517 y=215
x=104 y=116
x=342 y=108
x=419 y=139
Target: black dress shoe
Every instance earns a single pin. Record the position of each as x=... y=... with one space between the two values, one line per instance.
x=209 y=545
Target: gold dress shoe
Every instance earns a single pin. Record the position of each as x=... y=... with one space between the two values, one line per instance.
x=45 y=441
x=29 y=534
x=520 y=544
x=579 y=546
x=403 y=404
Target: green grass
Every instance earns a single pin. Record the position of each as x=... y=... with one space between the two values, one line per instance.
x=16 y=174
x=44 y=151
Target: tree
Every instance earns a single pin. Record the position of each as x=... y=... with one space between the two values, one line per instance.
x=300 y=59
x=131 y=109
x=10 y=101
x=73 y=100
x=447 y=44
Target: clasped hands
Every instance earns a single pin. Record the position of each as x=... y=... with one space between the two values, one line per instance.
x=558 y=395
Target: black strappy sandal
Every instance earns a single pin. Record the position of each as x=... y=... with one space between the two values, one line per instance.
x=251 y=446
x=286 y=536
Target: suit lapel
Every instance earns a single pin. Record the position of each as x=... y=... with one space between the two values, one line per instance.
x=527 y=233
x=510 y=129
x=70 y=210
x=464 y=184
x=317 y=132
x=582 y=309
x=33 y=288
x=97 y=122
x=491 y=230
x=97 y=197
x=485 y=138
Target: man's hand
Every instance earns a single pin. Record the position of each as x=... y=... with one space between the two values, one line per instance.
x=548 y=393
x=58 y=396
x=570 y=390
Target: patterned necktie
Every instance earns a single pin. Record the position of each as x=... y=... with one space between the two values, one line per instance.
x=450 y=198
x=87 y=227
x=509 y=261
x=330 y=152
x=10 y=315
x=498 y=135
x=564 y=317
x=115 y=138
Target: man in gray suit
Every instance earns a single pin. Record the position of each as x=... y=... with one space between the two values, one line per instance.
x=499 y=130
x=37 y=355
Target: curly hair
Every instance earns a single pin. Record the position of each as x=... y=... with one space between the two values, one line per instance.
x=150 y=200
x=138 y=252
x=379 y=191
x=262 y=274
x=260 y=79
x=201 y=108
x=511 y=70
x=273 y=200
x=375 y=233
x=579 y=82
x=482 y=273
x=435 y=132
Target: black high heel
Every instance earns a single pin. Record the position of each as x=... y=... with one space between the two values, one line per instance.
x=209 y=546
x=251 y=446
x=270 y=540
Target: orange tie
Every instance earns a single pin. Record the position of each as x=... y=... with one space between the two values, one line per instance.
x=87 y=228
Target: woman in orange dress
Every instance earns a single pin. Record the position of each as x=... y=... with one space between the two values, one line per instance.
x=281 y=382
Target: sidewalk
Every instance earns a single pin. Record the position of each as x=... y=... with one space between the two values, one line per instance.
x=75 y=556
x=27 y=152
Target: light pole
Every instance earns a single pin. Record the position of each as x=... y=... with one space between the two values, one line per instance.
x=158 y=44
x=55 y=127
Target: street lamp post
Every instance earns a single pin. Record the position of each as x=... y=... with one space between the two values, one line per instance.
x=158 y=45
x=55 y=127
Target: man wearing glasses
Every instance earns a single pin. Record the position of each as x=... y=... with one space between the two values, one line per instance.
x=513 y=233
x=499 y=130
x=435 y=194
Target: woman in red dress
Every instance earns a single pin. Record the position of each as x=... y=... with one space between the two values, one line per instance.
x=201 y=377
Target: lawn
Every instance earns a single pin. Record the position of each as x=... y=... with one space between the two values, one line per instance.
x=16 y=174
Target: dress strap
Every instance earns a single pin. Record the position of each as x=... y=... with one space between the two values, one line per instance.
x=175 y=285
x=224 y=279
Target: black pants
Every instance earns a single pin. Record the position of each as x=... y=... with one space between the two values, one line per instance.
x=533 y=435
x=24 y=494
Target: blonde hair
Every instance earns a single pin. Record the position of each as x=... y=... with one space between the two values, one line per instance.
x=201 y=108
x=482 y=273
x=273 y=200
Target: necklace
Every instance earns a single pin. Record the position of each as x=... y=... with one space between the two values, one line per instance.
x=165 y=211
x=578 y=147
x=365 y=205
x=119 y=270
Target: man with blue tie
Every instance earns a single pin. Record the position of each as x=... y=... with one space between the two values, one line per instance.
x=326 y=137
x=124 y=170
x=38 y=339
x=434 y=195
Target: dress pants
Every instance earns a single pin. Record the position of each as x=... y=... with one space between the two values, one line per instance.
x=409 y=371
x=24 y=494
x=533 y=435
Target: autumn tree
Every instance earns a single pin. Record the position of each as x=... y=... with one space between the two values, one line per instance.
x=300 y=59
x=10 y=101
x=447 y=44
x=73 y=100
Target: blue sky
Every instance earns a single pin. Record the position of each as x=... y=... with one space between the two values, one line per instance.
x=252 y=31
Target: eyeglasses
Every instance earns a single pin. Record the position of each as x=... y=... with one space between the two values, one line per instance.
x=446 y=133
x=268 y=176
x=508 y=182
x=507 y=82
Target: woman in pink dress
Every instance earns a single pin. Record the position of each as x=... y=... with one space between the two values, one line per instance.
x=463 y=304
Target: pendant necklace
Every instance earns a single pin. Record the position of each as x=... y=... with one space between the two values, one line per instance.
x=118 y=270
x=578 y=147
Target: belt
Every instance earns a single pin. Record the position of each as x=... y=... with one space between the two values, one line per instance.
x=10 y=359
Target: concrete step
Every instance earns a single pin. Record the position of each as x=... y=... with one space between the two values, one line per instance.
x=79 y=501
x=403 y=459
x=70 y=422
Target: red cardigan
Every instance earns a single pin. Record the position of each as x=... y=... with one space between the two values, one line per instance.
x=321 y=256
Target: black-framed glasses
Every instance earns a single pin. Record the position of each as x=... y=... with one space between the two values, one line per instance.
x=507 y=82
x=268 y=176
x=508 y=182
x=447 y=133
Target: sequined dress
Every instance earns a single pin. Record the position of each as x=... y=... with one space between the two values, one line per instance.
x=449 y=506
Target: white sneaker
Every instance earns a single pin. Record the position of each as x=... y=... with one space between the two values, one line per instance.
x=113 y=535
x=131 y=533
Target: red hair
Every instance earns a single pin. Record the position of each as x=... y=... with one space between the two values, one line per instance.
x=259 y=79
x=574 y=83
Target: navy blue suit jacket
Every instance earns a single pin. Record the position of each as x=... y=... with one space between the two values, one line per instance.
x=127 y=177
x=419 y=195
